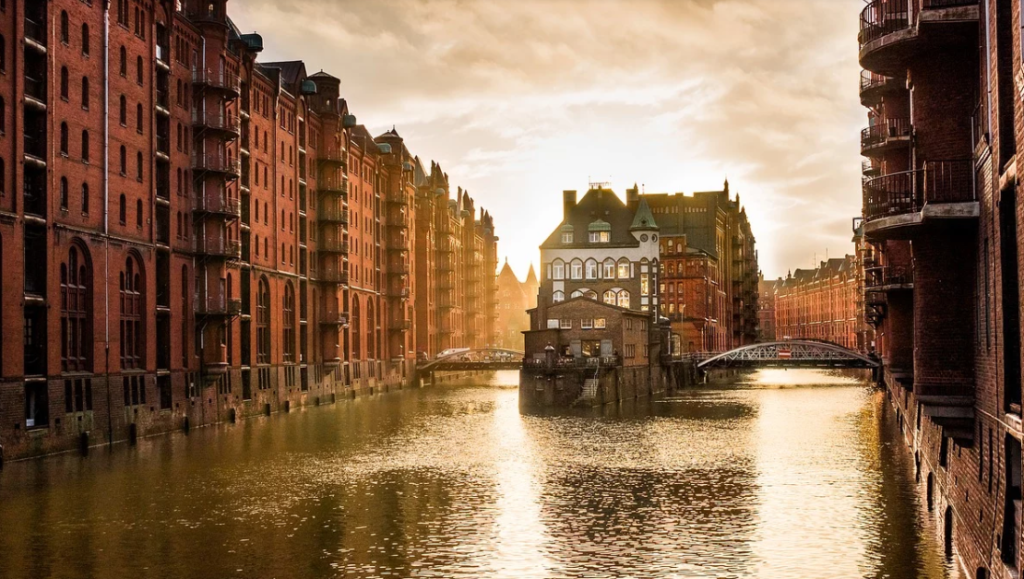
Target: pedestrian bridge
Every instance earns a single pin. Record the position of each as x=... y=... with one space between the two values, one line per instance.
x=482 y=359
x=789 y=354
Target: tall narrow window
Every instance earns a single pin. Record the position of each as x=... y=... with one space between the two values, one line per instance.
x=64 y=139
x=65 y=28
x=85 y=92
x=64 y=193
x=124 y=161
x=132 y=337
x=138 y=213
x=138 y=166
x=85 y=145
x=123 y=111
x=263 y=322
x=85 y=197
x=123 y=210
x=138 y=69
x=288 y=323
x=124 y=62
x=138 y=117
x=85 y=39
x=3 y=54
x=75 y=312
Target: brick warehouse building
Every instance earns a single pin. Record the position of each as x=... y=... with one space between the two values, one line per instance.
x=819 y=304
x=260 y=246
x=941 y=253
x=709 y=270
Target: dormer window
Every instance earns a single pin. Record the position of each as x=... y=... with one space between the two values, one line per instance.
x=600 y=237
x=600 y=232
x=567 y=234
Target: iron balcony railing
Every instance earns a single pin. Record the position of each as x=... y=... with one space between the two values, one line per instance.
x=332 y=245
x=35 y=31
x=333 y=185
x=332 y=156
x=217 y=204
x=401 y=325
x=400 y=220
x=217 y=247
x=398 y=198
x=333 y=276
x=883 y=130
x=949 y=181
x=888 y=276
x=218 y=163
x=217 y=120
x=882 y=17
x=328 y=214
x=872 y=80
x=400 y=269
x=329 y=318
x=400 y=292
x=219 y=79
x=217 y=306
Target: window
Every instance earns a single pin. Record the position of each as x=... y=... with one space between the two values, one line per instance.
x=576 y=294
x=567 y=235
x=288 y=318
x=565 y=324
x=138 y=166
x=623 y=269
x=3 y=54
x=75 y=312
x=590 y=295
x=558 y=296
x=124 y=161
x=77 y=395
x=85 y=197
x=124 y=62
x=623 y=299
x=85 y=146
x=645 y=284
x=553 y=324
x=577 y=269
x=37 y=414
x=591 y=269
x=64 y=82
x=64 y=139
x=132 y=337
x=600 y=324
x=138 y=69
x=609 y=297
x=65 y=28
x=85 y=39
x=85 y=92
x=138 y=117
x=609 y=269
x=586 y=324
x=558 y=269
x=600 y=237
x=138 y=213
x=122 y=12
x=64 y=193
x=123 y=210
x=263 y=322
x=3 y=178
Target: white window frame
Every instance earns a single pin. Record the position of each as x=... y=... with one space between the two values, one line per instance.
x=600 y=324
x=586 y=324
x=576 y=269
x=565 y=324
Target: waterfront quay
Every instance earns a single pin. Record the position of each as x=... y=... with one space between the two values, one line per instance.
x=754 y=476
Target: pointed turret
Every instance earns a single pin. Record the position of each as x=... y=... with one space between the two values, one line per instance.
x=644 y=219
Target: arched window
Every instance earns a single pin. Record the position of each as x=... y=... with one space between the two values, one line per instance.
x=609 y=297
x=288 y=323
x=371 y=324
x=123 y=111
x=138 y=69
x=590 y=295
x=85 y=197
x=123 y=210
x=608 y=269
x=138 y=117
x=85 y=145
x=623 y=299
x=75 y=312
x=65 y=28
x=132 y=336
x=124 y=161
x=356 y=330
x=3 y=178
x=124 y=62
x=558 y=269
x=138 y=213
x=591 y=268
x=576 y=269
x=85 y=39
x=623 y=268
x=576 y=294
x=558 y=296
x=64 y=139
x=85 y=92
x=64 y=82
x=64 y=193
x=263 y=322
x=3 y=54
x=138 y=165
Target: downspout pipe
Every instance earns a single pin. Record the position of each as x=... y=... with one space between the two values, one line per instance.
x=106 y=210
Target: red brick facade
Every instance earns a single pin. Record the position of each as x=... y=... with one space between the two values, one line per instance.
x=942 y=257
x=259 y=246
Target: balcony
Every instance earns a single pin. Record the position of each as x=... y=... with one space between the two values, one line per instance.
x=332 y=276
x=332 y=246
x=400 y=220
x=217 y=247
x=884 y=136
x=870 y=168
x=333 y=186
x=218 y=205
x=399 y=198
x=218 y=121
x=220 y=80
x=333 y=319
x=874 y=86
x=400 y=325
x=215 y=163
x=327 y=214
x=399 y=270
x=889 y=278
x=892 y=31
x=400 y=292
x=217 y=306
x=943 y=190
x=35 y=33
x=333 y=157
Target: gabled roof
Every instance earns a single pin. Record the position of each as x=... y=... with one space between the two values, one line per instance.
x=598 y=304
x=292 y=71
x=597 y=205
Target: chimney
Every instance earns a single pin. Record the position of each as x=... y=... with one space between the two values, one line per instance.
x=633 y=196
x=568 y=203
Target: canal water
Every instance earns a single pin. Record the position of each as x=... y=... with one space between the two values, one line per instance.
x=779 y=475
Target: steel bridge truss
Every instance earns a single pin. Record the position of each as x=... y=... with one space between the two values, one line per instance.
x=790 y=354
x=479 y=359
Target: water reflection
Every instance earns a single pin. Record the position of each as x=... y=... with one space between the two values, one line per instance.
x=777 y=474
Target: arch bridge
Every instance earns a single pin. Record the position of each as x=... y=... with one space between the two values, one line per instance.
x=790 y=354
x=480 y=359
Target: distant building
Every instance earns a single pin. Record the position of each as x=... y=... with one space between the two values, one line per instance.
x=595 y=333
x=765 y=309
x=514 y=299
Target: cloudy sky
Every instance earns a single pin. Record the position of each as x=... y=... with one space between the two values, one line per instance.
x=520 y=99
